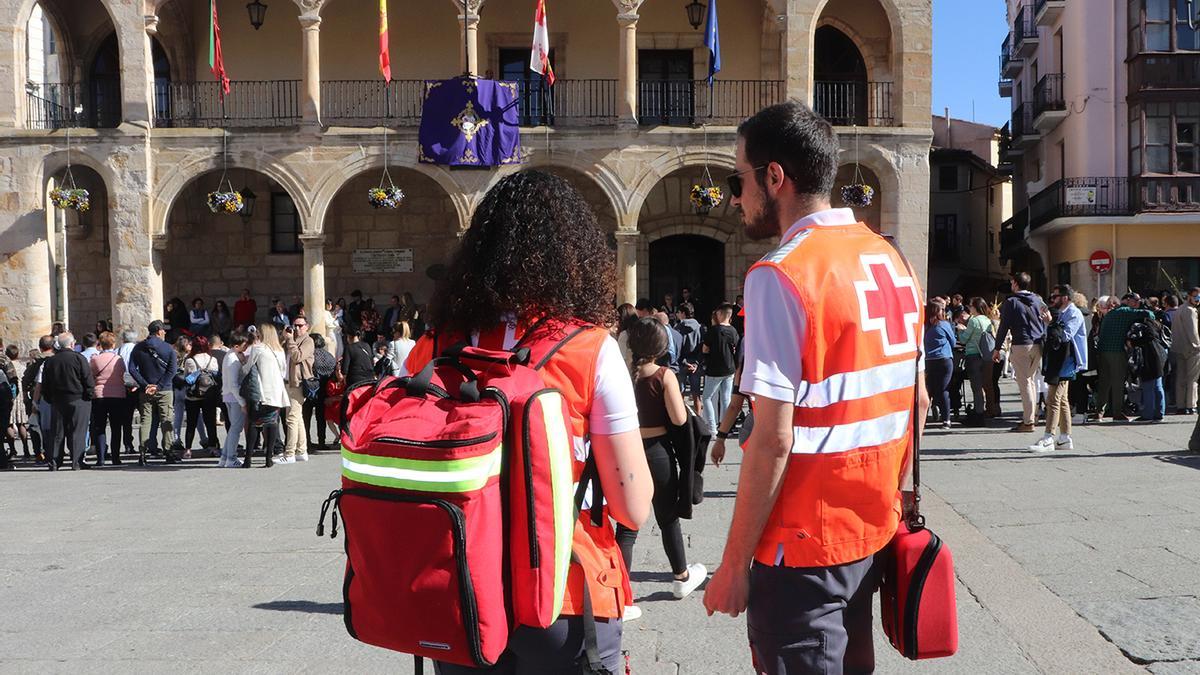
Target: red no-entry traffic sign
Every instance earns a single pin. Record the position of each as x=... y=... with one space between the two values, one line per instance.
x=1100 y=261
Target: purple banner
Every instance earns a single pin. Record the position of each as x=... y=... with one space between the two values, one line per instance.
x=470 y=122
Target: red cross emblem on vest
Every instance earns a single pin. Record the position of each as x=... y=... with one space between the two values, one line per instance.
x=888 y=304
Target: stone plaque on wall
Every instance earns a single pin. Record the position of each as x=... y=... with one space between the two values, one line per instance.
x=382 y=260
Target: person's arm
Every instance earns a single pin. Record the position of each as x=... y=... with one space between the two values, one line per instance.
x=204 y=319
x=134 y=371
x=169 y=373
x=1002 y=331
x=89 y=380
x=624 y=476
x=736 y=401
x=676 y=409
x=190 y=366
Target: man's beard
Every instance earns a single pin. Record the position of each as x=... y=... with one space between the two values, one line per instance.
x=766 y=224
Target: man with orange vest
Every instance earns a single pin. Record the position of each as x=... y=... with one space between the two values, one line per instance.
x=832 y=356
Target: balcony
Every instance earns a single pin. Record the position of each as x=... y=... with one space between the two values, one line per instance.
x=266 y=103
x=1049 y=106
x=692 y=102
x=1107 y=196
x=1047 y=12
x=1012 y=234
x=1006 y=87
x=1024 y=133
x=1025 y=33
x=1167 y=194
x=52 y=106
x=1153 y=74
x=855 y=103
x=1010 y=64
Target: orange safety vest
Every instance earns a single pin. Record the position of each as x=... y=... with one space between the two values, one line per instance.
x=572 y=370
x=840 y=499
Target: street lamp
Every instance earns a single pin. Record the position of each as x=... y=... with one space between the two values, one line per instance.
x=248 y=199
x=695 y=11
x=258 y=11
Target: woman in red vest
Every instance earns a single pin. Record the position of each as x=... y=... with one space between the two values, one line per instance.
x=534 y=256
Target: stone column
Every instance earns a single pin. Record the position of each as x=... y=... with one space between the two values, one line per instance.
x=137 y=66
x=314 y=281
x=627 y=250
x=137 y=293
x=468 y=21
x=797 y=47
x=310 y=92
x=627 y=64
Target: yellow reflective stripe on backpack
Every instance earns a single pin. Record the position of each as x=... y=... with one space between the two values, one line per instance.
x=457 y=475
x=563 y=491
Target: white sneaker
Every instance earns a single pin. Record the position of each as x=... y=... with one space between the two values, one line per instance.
x=221 y=463
x=234 y=463
x=302 y=458
x=285 y=460
x=632 y=613
x=697 y=573
x=1064 y=442
x=1044 y=445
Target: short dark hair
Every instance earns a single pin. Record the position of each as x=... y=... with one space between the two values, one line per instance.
x=1131 y=296
x=46 y=343
x=799 y=140
x=687 y=308
x=154 y=327
x=238 y=338
x=647 y=340
x=90 y=340
x=12 y=352
x=1063 y=289
x=318 y=340
x=644 y=303
x=1023 y=280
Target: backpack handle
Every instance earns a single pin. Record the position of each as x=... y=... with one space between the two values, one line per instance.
x=468 y=391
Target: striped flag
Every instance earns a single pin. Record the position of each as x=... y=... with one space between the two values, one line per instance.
x=385 y=59
x=539 y=57
x=216 y=63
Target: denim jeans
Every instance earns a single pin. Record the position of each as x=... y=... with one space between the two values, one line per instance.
x=717 y=392
x=237 y=422
x=1153 y=403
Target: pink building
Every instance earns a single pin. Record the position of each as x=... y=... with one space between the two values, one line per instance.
x=1105 y=142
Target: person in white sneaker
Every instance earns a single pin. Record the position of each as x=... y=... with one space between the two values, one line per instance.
x=1064 y=356
x=660 y=404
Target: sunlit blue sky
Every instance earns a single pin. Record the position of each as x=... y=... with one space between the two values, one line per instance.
x=966 y=50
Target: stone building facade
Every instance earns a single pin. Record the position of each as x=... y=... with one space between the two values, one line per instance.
x=631 y=123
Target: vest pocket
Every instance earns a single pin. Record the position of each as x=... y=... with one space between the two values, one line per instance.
x=858 y=497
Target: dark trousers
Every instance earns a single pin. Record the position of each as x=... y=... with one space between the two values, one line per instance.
x=991 y=377
x=812 y=619
x=316 y=405
x=6 y=408
x=264 y=419
x=70 y=423
x=974 y=365
x=195 y=410
x=664 y=471
x=1113 y=369
x=111 y=413
x=937 y=380
x=556 y=650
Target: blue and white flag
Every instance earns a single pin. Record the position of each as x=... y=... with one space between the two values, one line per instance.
x=712 y=40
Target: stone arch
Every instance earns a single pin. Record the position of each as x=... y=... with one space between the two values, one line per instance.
x=879 y=162
x=659 y=169
x=169 y=186
x=601 y=175
x=85 y=283
x=329 y=185
x=892 y=14
x=427 y=223
x=871 y=56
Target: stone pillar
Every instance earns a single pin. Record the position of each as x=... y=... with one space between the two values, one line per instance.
x=137 y=293
x=912 y=59
x=910 y=203
x=797 y=48
x=314 y=281
x=627 y=64
x=468 y=22
x=310 y=92
x=627 y=250
x=137 y=65
x=12 y=68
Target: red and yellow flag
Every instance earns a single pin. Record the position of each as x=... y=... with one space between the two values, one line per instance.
x=216 y=62
x=385 y=61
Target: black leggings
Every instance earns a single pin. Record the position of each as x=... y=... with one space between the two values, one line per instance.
x=664 y=471
x=938 y=373
x=269 y=430
x=316 y=405
x=196 y=410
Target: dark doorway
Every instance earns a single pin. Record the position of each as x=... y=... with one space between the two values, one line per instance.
x=534 y=95
x=162 y=84
x=841 y=78
x=666 y=91
x=104 y=93
x=690 y=260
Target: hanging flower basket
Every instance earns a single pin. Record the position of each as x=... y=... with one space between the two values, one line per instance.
x=858 y=195
x=71 y=198
x=389 y=197
x=228 y=202
x=706 y=197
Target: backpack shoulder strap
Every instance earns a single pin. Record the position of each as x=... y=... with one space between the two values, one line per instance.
x=561 y=343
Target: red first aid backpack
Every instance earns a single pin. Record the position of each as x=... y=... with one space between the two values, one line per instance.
x=457 y=502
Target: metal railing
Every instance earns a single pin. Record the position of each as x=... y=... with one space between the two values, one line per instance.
x=855 y=103
x=1167 y=193
x=1048 y=94
x=1164 y=71
x=567 y=103
x=52 y=105
x=687 y=102
x=1090 y=196
x=1012 y=233
x=371 y=103
x=1024 y=26
x=262 y=103
x=1022 y=121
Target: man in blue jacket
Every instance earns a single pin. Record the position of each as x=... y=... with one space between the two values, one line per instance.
x=153 y=365
x=1066 y=356
x=1021 y=315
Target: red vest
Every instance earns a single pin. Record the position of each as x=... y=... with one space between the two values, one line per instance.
x=840 y=500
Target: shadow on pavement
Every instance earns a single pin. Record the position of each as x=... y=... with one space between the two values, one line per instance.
x=306 y=606
x=1189 y=459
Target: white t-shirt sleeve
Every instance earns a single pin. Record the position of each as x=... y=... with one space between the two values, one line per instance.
x=614 y=410
x=775 y=330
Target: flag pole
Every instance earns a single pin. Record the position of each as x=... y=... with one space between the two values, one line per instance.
x=466 y=45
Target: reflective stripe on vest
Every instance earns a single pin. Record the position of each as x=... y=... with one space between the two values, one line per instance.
x=456 y=475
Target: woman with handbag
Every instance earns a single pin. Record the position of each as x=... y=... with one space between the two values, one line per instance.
x=939 y=360
x=202 y=377
x=108 y=403
x=969 y=338
x=265 y=394
x=235 y=405
x=324 y=367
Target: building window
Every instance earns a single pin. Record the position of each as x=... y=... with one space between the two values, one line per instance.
x=1163 y=26
x=285 y=224
x=945 y=236
x=1164 y=138
x=1154 y=275
x=948 y=178
x=1064 y=273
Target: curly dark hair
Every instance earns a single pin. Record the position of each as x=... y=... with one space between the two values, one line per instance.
x=533 y=249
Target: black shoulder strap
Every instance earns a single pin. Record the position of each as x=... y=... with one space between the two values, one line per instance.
x=561 y=343
x=915 y=520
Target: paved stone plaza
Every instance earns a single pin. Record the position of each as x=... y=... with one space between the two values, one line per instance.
x=1086 y=561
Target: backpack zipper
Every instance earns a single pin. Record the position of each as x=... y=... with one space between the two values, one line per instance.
x=449 y=443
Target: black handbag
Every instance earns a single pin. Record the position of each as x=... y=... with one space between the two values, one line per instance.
x=250 y=388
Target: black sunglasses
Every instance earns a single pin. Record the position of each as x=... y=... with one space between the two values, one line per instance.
x=735 y=180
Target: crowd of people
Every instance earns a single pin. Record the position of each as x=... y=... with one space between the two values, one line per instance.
x=1126 y=359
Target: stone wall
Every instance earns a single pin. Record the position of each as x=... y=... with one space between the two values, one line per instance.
x=89 y=290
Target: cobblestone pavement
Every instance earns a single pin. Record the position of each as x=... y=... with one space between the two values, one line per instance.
x=1084 y=561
